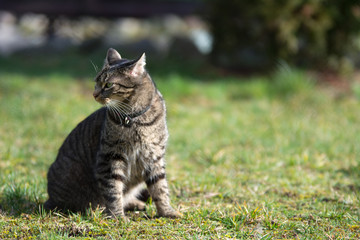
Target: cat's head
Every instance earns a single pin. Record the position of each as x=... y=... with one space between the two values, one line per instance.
x=121 y=83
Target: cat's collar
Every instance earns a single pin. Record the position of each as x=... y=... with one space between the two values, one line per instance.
x=127 y=120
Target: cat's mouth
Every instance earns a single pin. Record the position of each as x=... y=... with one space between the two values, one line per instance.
x=102 y=101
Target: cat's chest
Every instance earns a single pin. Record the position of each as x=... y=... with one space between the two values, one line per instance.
x=133 y=145
x=136 y=153
x=138 y=147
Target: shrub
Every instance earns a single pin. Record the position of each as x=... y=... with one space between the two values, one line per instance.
x=309 y=33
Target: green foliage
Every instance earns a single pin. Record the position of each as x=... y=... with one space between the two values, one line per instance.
x=356 y=89
x=287 y=81
x=311 y=33
x=263 y=158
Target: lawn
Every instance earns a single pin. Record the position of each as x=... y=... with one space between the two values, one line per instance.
x=265 y=157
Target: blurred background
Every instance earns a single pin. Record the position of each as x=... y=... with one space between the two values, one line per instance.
x=240 y=36
x=132 y=26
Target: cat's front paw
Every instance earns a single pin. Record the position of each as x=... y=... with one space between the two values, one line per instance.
x=115 y=214
x=171 y=214
x=122 y=218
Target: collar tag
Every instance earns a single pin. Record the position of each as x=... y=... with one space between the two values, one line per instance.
x=127 y=121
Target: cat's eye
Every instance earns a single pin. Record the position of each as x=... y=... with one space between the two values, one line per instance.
x=109 y=85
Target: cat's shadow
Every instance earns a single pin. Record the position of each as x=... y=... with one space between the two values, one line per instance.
x=14 y=204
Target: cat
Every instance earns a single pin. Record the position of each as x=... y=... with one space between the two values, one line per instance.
x=117 y=152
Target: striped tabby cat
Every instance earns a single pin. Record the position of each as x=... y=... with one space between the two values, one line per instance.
x=108 y=157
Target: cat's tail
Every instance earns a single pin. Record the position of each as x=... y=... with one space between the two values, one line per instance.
x=136 y=198
x=143 y=195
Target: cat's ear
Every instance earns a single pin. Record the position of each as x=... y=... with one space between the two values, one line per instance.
x=139 y=67
x=112 y=56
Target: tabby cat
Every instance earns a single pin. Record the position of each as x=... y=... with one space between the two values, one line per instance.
x=118 y=151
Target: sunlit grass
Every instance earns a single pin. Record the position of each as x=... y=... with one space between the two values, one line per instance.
x=259 y=157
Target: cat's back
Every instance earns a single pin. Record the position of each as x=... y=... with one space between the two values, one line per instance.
x=70 y=177
x=83 y=141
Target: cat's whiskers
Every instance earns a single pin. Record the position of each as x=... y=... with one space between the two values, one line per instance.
x=113 y=112
x=126 y=108
x=95 y=67
x=116 y=113
x=119 y=109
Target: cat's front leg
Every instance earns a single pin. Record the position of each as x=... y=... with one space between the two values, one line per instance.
x=155 y=179
x=110 y=177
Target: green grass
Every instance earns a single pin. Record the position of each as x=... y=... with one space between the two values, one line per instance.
x=259 y=157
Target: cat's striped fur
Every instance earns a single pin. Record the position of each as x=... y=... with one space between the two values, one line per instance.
x=118 y=151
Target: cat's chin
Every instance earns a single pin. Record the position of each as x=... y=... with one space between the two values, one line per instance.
x=102 y=101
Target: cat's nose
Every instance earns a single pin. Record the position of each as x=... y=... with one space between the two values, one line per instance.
x=96 y=94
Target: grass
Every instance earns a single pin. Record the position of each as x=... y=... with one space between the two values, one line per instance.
x=266 y=157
